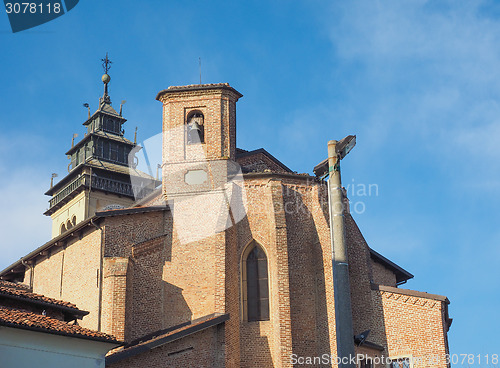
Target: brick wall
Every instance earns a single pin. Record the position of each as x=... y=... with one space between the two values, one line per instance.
x=135 y=252
x=305 y=258
x=205 y=349
x=381 y=275
x=122 y=232
x=218 y=105
x=359 y=276
x=261 y=341
x=70 y=271
x=286 y=216
x=410 y=326
x=153 y=279
x=114 y=296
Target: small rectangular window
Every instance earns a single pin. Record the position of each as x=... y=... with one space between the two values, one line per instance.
x=105 y=150
x=98 y=150
x=81 y=155
x=74 y=160
x=114 y=151
x=121 y=154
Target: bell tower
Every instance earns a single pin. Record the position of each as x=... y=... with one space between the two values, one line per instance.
x=199 y=136
x=101 y=168
x=199 y=153
x=206 y=109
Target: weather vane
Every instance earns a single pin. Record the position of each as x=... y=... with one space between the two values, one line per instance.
x=106 y=64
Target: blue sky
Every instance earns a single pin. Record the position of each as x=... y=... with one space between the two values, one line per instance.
x=417 y=81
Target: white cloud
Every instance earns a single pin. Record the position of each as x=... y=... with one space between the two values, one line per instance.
x=426 y=72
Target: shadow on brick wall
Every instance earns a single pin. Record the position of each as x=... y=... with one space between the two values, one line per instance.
x=308 y=303
x=367 y=309
x=154 y=303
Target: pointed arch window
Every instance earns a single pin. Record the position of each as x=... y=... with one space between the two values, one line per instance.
x=256 y=284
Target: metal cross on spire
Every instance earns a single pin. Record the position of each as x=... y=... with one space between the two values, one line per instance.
x=106 y=64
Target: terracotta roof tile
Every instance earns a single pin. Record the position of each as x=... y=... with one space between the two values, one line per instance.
x=18 y=290
x=23 y=319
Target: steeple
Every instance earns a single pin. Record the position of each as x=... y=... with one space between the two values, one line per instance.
x=106 y=119
x=106 y=65
x=99 y=174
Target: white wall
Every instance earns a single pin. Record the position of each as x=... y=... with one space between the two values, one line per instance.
x=27 y=349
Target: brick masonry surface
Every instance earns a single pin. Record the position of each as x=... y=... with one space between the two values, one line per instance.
x=148 y=278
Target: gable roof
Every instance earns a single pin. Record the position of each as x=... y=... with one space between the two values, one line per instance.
x=243 y=154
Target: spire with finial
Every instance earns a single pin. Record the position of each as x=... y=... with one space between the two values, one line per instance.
x=106 y=65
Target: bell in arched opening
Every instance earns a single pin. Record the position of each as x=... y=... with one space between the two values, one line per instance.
x=195 y=128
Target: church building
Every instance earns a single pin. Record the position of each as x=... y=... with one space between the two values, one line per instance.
x=227 y=263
